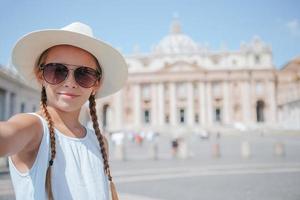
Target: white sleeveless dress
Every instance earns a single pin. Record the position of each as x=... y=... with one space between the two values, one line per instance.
x=77 y=172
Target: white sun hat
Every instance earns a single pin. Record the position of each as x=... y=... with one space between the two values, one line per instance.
x=28 y=49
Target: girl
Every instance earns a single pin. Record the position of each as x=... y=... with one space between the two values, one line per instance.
x=51 y=155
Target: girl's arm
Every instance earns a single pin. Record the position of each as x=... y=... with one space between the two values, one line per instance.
x=18 y=133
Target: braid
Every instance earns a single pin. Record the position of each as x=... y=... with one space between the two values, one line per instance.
x=52 y=138
x=100 y=138
x=99 y=135
x=114 y=194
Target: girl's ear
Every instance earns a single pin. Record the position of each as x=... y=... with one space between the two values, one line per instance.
x=97 y=87
x=40 y=81
x=39 y=77
x=94 y=91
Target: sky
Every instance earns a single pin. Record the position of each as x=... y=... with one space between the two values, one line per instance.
x=129 y=23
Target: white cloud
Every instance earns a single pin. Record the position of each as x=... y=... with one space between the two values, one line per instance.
x=294 y=27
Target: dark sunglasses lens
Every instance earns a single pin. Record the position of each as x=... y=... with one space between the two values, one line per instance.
x=55 y=73
x=85 y=77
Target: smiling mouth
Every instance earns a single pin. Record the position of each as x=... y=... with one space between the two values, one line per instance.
x=68 y=94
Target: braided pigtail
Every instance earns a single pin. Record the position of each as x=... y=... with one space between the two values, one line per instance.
x=100 y=138
x=52 y=138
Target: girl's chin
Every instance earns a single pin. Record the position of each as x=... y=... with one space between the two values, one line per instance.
x=67 y=107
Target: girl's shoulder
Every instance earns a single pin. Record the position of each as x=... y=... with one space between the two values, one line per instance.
x=28 y=121
x=29 y=131
x=23 y=132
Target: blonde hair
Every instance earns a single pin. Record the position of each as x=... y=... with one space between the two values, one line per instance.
x=47 y=116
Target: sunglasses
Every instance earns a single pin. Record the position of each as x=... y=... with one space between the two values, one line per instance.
x=56 y=73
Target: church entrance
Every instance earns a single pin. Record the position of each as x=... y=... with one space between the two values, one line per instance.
x=260 y=105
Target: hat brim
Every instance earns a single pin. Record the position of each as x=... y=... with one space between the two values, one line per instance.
x=28 y=49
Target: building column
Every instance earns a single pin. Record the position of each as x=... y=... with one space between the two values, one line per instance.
x=272 y=101
x=154 y=106
x=298 y=117
x=209 y=111
x=173 y=111
x=100 y=110
x=190 y=101
x=246 y=102
x=161 y=104
x=253 y=101
x=118 y=118
x=137 y=105
x=7 y=106
x=226 y=105
x=202 y=103
x=109 y=115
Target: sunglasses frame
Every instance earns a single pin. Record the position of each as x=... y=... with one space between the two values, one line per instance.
x=98 y=72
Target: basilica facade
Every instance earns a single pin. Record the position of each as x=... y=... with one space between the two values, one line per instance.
x=182 y=84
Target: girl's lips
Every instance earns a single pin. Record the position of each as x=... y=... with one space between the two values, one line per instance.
x=69 y=94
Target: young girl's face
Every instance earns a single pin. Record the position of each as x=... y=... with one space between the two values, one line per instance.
x=68 y=95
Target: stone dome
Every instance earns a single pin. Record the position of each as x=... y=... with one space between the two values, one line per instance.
x=176 y=42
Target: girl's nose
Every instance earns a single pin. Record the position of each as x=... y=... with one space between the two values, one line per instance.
x=70 y=80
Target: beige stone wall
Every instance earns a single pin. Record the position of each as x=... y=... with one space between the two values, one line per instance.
x=288 y=95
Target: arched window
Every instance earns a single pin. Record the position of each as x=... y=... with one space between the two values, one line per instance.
x=218 y=117
x=167 y=118
x=257 y=59
x=196 y=118
x=181 y=115
x=23 y=107
x=260 y=105
x=147 y=116
x=2 y=104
